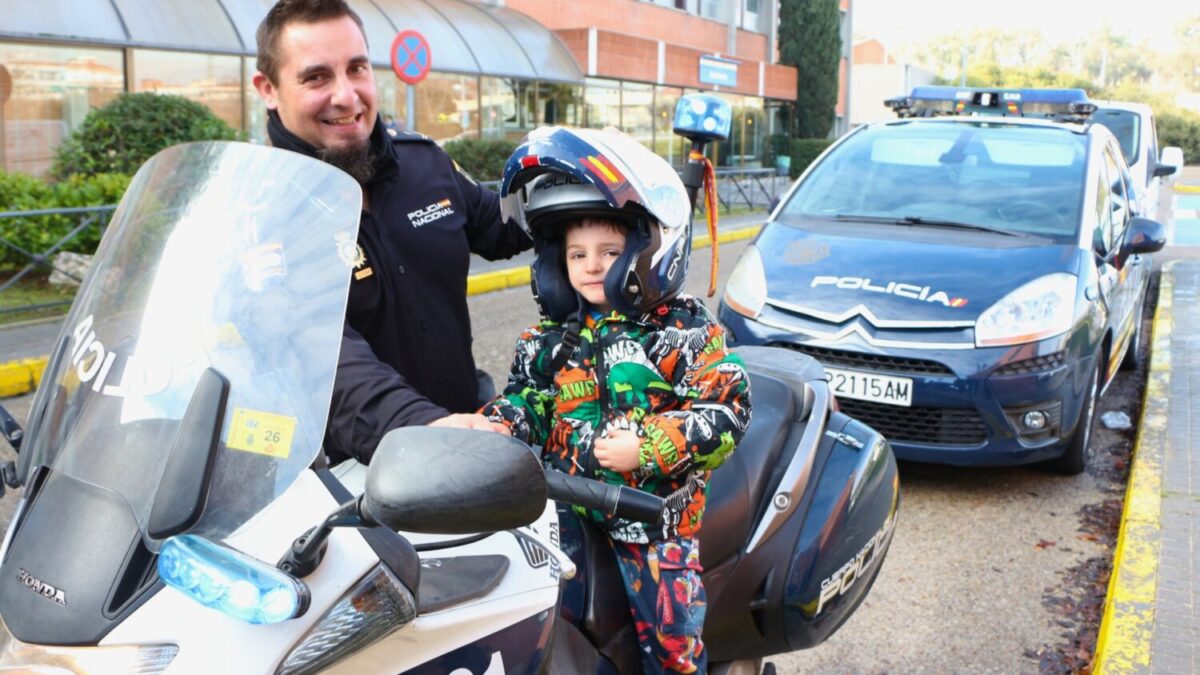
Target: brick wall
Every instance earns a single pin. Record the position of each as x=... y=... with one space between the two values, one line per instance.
x=644 y=20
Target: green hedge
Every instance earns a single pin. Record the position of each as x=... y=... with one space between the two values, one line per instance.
x=119 y=136
x=1183 y=130
x=483 y=159
x=21 y=192
x=804 y=151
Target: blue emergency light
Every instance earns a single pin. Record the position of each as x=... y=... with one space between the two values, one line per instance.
x=1068 y=105
x=703 y=118
x=229 y=581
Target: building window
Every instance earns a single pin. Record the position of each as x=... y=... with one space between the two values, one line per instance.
x=212 y=80
x=602 y=101
x=53 y=88
x=508 y=106
x=392 y=98
x=637 y=111
x=560 y=104
x=448 y=107
x=666 y=144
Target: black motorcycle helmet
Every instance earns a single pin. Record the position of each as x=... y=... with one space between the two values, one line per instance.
x=559 y=175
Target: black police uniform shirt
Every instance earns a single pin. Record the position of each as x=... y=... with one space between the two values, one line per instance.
x=406 y=347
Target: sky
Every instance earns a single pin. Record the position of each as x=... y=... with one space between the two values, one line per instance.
x=900 y=22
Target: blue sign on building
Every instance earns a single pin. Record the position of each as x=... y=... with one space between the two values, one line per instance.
x=721 y=72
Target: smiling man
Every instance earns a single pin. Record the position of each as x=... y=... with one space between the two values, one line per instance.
x=406 y=350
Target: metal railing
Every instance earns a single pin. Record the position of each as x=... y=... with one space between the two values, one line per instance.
x=751 y=188
x=88 y=217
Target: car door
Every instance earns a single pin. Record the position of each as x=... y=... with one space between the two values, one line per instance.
x=1122 y=292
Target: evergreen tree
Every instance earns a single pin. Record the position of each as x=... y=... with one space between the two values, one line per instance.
x=810 y=39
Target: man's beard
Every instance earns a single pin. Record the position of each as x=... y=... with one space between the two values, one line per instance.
x=358 y=161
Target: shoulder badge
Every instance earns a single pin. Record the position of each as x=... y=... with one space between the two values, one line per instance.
x=463 y=171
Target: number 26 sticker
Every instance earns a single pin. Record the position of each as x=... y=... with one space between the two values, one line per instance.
x=261 y=432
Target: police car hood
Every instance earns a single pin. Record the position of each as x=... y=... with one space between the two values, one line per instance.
x=898 y=272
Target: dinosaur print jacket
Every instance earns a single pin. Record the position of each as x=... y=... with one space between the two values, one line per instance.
x=666 y=375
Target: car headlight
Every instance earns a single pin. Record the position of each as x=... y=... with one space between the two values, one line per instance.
x=746 y=292
x=1040 y=309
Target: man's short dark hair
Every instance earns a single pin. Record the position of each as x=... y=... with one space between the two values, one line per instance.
x=295 y=11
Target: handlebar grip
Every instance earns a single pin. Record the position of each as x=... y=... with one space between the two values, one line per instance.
x=613 y=500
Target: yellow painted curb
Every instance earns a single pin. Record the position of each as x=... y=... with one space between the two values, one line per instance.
x=1127 y=628
x=1187 y=188
x=512 y=277
x=21 y=376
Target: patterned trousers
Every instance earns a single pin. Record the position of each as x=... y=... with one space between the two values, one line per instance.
x=666 y=597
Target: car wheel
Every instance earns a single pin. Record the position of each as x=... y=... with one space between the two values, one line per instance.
x=1130 y=361
x=1075 y=457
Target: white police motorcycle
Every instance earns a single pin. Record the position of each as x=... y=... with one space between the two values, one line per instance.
x=177 y=516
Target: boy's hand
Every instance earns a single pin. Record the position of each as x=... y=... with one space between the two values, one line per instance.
x=619 y=451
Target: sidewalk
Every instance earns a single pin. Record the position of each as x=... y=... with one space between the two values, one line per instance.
x=24 y=347
x=1152 y=612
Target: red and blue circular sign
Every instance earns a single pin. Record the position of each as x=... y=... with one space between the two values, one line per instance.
x=411 y=56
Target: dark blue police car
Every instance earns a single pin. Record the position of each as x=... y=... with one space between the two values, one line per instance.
x=971 y=275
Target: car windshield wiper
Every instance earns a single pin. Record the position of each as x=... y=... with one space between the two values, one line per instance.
x=931 y=222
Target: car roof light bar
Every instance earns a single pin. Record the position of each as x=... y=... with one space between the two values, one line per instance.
x=1066 y=105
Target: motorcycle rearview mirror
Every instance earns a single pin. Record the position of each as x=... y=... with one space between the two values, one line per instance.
x=453 y=481
x=183 y=489
x=14 y=434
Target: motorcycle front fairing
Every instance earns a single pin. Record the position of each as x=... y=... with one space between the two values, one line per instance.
x=226 y=264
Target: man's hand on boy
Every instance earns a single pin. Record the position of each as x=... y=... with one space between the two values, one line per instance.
x=619 y=450
x=470 y=421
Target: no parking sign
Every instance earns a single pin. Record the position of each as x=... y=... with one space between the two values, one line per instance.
x=411 y=56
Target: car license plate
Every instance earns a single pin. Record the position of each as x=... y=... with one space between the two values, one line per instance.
x=870 y=387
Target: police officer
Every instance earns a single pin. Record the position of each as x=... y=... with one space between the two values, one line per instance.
x=406 y=348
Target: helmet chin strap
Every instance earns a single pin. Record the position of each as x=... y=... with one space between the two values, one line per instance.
x=570 y=341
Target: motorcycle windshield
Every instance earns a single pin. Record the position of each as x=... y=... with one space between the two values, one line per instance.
x=224 y=259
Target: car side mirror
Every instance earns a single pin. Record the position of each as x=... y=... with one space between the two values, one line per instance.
x=1145 y=235
x=453 y=481
x=773 y=205
x=1164 y=170
x=1171 y=156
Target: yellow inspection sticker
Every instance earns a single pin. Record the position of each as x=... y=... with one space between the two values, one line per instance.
x=261 y=432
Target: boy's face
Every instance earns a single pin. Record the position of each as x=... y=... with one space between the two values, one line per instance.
x=590 y=249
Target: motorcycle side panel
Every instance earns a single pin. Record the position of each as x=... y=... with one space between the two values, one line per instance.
x=805 y=580
x=846 y=533
x=50 y=593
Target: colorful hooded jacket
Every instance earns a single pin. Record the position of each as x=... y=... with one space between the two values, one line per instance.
x=667 y=375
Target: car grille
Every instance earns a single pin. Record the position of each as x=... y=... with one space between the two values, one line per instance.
x=933 y=426
x=1034 y=365
x=875 y=362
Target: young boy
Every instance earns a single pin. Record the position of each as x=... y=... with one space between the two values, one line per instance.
x=644 y=393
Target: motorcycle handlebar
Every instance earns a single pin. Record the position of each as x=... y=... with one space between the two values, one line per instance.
x=614 y=500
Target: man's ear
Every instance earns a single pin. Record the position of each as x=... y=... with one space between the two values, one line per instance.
x=266 y=89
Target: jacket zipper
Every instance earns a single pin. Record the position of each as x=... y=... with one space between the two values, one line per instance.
x=601 y=392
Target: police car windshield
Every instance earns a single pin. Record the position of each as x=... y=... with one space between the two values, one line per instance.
x=1019 y=179
x=1124 y=125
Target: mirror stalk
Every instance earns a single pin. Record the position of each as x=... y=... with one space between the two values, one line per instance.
x=308 y=549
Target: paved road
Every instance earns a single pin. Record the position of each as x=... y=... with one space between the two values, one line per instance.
x=963 y=586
